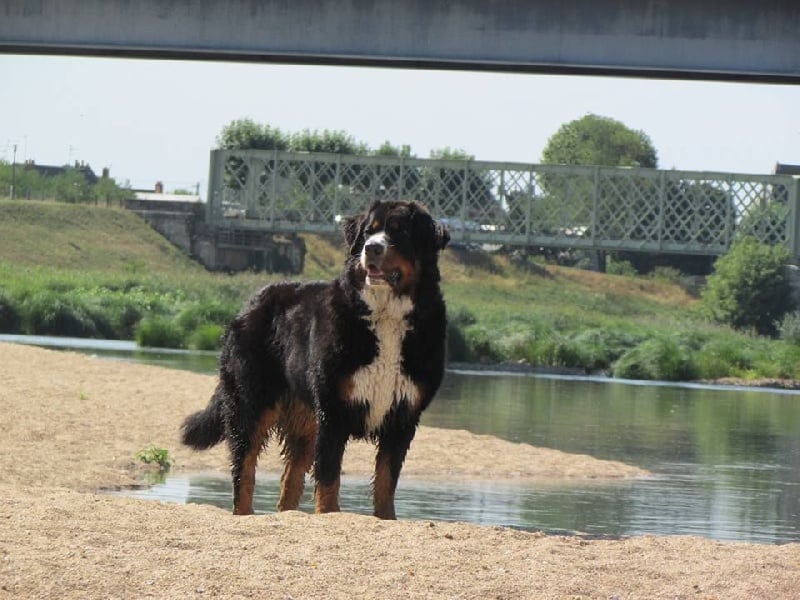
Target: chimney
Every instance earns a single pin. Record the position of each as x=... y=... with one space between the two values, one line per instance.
x=159 y=187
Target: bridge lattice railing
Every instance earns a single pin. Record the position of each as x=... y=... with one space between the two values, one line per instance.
x=508 y=203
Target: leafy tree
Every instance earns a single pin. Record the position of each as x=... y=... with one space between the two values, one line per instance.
x=750 y=287
x=107 y=190
x=336 y=142
x=387 y=149
x=246 y=134
x=597 y=140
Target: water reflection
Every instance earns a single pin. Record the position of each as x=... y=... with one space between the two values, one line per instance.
x=726 y=463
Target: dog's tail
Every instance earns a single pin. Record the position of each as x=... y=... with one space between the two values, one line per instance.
x=205 y=428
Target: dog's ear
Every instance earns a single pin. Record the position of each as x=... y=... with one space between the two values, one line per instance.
x=432 y=234
x=354 y=232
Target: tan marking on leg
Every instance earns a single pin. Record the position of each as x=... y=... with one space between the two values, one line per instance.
x=327 y=497
x=243 y=489
x=383 y=489
x=299 y=427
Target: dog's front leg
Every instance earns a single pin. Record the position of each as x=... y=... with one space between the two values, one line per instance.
x=331 y=442
x=392 y=449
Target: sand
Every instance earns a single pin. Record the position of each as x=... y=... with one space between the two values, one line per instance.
x=71 y=425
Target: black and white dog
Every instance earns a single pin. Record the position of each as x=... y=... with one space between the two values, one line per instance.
x=316 y=364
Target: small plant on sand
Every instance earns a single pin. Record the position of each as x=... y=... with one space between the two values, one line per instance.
x=155 y=455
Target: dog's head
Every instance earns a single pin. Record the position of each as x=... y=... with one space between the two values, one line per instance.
x=392 y=242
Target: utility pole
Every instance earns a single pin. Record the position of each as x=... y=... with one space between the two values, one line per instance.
x=14 y=172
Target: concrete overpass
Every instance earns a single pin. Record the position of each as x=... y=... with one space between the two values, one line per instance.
x=713 y=39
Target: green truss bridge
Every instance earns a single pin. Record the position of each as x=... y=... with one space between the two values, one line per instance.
x=253 y=192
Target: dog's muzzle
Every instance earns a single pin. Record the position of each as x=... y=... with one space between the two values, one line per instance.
x=372 y=259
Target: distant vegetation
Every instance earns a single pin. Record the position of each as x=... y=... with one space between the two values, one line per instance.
x=103 y=273
x=71 y=185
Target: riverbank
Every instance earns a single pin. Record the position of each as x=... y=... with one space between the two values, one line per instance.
x=93 y=272
x=71 y=426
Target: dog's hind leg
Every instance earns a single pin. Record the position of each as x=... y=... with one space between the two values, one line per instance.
x=244 y=458
x=299 y=428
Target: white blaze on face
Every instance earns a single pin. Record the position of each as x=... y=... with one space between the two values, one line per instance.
x=382 y=383
x=381 y=240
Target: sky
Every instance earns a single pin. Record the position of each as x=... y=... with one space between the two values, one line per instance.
x=151 y=120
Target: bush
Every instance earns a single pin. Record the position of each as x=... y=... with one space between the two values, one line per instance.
x=789 y=327
x=598 y=348
x=206 y=337
x=47 y=313
x=749 y=287
x=723 y=357
x=456 y=343
x=159 y=332
x=207 y=312
x=10 y=318
x=621 y=267
x=660 y=359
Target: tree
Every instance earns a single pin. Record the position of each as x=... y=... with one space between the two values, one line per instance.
x=750 y=287
x=246 y=134
x=333 y=141
x=597 y=140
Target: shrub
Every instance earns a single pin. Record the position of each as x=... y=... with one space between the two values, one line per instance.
x=656 y=358
x=10 y=318
x=159 y=332
x=598 y=348
x=788 y=328
x=206 y=337
x=782 y=362
x=621 y=267
x=749 y=287
x=480 y=345
x=208 y=312
x=48 y=313
x=723 y=357
x=456 y=343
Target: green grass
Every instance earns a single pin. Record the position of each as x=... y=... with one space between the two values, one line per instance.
x=99 y=272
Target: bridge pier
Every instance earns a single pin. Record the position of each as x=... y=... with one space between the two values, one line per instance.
x=220 y=248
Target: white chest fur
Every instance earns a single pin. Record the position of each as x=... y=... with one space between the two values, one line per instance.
x=382 y=383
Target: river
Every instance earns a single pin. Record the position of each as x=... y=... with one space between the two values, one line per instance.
x=725 y=460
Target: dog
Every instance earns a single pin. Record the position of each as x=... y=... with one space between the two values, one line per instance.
x=317 y=364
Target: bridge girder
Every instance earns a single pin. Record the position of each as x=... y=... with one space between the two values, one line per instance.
x=714 y=39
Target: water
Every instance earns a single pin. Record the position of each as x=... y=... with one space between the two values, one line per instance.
x=725 y=461
x=123 y=350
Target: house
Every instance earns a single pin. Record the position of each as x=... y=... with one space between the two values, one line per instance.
x=157 y=194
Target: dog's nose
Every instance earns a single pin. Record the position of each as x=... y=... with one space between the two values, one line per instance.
x=373 y=250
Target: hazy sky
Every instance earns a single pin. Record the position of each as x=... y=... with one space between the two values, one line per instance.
x=157 y=120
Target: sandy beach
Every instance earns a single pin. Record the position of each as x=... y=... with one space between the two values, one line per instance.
x=70 y=428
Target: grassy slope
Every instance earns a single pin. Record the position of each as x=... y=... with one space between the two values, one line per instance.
x=68 y=236
x=504 y=309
